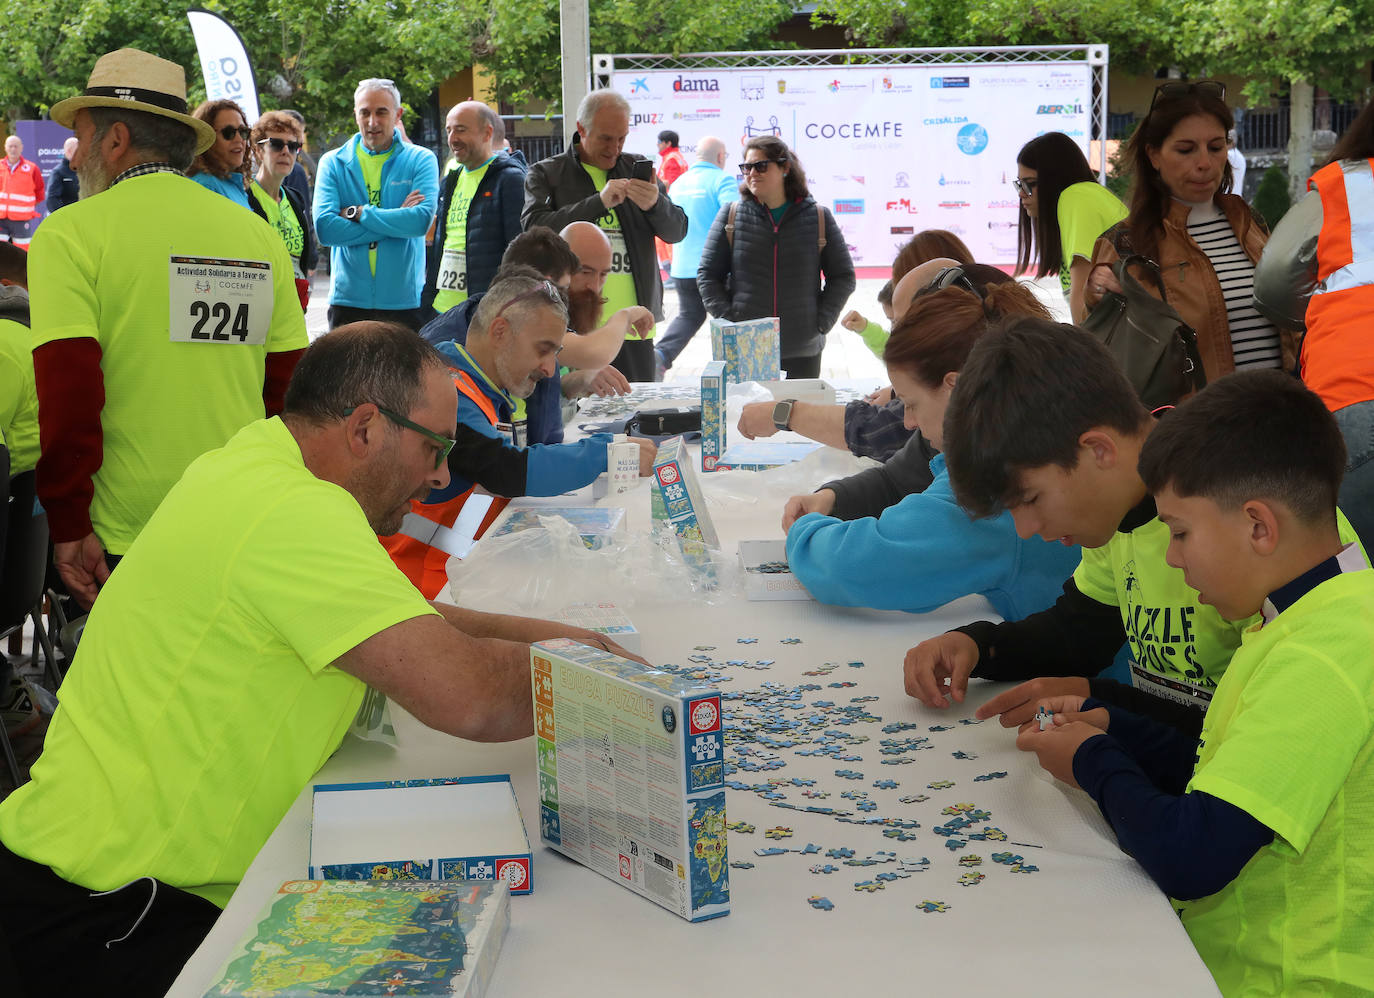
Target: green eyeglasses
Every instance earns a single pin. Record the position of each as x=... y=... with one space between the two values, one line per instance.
x=444 y=443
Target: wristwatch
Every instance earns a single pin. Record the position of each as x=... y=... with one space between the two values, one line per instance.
x=351 y=212
x=782 y=414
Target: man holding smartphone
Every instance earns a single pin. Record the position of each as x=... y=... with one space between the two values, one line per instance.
x=595 y=181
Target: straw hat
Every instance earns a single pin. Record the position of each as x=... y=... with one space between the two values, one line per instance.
x=133 y=79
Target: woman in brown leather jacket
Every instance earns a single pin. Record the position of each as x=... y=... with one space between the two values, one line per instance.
x=1205 y=239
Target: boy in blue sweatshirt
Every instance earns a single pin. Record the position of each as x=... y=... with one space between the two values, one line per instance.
x=1263 y=826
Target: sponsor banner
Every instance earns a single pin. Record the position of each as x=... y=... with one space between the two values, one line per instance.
x=224 y=62
x=890 y=150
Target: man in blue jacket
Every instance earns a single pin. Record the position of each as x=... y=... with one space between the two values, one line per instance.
x=374 y=199
x=700 y=192
x=479 y=209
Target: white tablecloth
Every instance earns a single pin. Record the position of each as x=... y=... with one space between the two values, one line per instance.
x=1087 y=922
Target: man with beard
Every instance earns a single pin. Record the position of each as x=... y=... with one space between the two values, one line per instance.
x=165 y=318
x=479 y=208
x=252 y=659
x=512 y=345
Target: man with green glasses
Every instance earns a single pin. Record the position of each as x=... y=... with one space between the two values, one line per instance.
x=212 y=687
x=512 y=344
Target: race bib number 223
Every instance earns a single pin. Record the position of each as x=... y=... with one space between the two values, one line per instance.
x=219 y=301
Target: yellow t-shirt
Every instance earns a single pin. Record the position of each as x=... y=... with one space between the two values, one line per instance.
x=370 y=166
x=620 y=285
x=282 y=217
x=1085 y=211
x=205 y=699
x=139 y=269
x=452 y=282
x=1289 y=738
x=18 y=397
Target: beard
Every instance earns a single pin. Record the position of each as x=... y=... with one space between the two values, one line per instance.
x=93 y=177
x=584 y=310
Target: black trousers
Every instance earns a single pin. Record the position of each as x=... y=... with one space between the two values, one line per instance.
x=340 y=315
x=802 y=367
x=635 y=360
x=691 y=314
x=58 y=938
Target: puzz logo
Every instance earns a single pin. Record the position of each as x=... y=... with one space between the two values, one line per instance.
x=649 y=118
x=684 y=85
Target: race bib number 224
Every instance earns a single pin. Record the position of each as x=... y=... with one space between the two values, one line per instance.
x=219 y=301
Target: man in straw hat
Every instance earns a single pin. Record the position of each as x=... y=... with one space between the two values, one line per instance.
x=164 y=317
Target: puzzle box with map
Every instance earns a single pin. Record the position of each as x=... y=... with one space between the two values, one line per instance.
x=676 y=499
x=631 y=765
x=713 y=421
x=371 y=937
x=464 y=828
x=749 y=349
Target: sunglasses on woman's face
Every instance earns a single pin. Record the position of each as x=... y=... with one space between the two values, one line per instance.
x=1025 y=186
x=758 y=166
x=229 y=131
x=279 y=144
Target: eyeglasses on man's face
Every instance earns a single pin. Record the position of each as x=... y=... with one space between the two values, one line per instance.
x=229 y=131
x=279 y=144
x=444 y=443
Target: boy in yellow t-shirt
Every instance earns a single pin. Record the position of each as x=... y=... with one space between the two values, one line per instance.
x=1262 y=828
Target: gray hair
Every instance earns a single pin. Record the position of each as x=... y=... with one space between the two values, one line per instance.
x=156 y=136
x=377 y=84
x=500 y=295
x=597 y=101
x=379 y=362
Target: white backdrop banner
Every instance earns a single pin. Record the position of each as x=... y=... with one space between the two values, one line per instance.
x=890 y=150
x=224 y=62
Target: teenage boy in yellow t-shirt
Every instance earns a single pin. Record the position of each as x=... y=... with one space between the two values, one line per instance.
x=1263 y=828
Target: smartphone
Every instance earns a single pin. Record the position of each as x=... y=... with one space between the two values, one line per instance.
x=643 y=169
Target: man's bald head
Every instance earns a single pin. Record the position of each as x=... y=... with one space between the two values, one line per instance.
x=593 y=251
x=914 y=280
x=711 y=150
x=472 y=128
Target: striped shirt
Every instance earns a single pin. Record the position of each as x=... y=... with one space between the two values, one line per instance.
x=1254 y=340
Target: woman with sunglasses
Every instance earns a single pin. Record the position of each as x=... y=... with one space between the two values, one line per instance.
x=277 y=140
x=926 y=550
x=221 y=167
x=784 y=255
x=1063 y=210
x=1316 y=275
x=1205 y=239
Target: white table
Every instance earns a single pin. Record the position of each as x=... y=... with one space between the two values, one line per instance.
x=1088 y=922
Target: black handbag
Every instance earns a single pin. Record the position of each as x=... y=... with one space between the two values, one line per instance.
x=1155 y=348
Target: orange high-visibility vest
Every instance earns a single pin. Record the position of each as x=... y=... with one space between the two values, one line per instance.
x=431 y=533
x=1338 y=351
x=20 y=189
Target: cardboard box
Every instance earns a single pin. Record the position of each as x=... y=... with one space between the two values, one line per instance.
x=760 y=455
x=766 y=575
x=606 y=618
x=683 y=506
x=597 y=525
x=815 y=391
x=333 y=937
x=750 y=349
x=631 y=775
x=714 y=425
x=468 y=828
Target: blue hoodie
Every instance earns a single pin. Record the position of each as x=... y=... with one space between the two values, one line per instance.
x=924 y=552
x=397 y=232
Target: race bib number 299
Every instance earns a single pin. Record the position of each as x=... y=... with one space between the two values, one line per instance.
x=219 y=301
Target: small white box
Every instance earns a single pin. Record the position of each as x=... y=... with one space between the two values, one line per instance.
x=468 y=828
x=766 y=573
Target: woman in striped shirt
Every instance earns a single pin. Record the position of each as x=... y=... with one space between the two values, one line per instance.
x=1205 y=239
